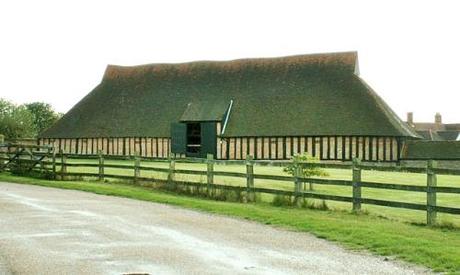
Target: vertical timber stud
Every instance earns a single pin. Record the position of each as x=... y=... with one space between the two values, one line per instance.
x=250 y=179
x=210 y=173
x=356 y=183
x=297 y=181
x=137 y=164
x=63 y=164
x=431 y=181
x=101 y=165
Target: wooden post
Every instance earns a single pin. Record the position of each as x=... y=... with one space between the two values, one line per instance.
x=210 y=173
x=431 y=181
x=63 y=164
x=2 y=154
x=54 y=164
x=297 y=182
x=250 y=178
x=40 y=162
x=356 y=183
x=172 y=167
x=137 y=164
x=101 y=165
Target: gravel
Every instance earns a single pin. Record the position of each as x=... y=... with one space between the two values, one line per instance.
x=53 y=231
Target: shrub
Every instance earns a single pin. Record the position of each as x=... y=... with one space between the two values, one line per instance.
x=307 y=171
x=322 y=205
x=282 y=200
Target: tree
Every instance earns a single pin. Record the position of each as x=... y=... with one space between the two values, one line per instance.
x=306 y=170
x=43 y=115
x=15 y=121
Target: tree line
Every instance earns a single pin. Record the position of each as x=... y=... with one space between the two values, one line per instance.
x=25 y=120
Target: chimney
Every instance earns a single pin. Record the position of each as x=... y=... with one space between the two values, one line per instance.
x=438 y=118
x=410 y=118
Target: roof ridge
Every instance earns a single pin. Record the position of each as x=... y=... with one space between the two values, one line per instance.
x=348 y=58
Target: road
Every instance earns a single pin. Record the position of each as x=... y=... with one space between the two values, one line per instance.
x=52 y=231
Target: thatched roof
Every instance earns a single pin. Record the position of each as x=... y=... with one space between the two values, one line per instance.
x=319 y=94
x=424 y=150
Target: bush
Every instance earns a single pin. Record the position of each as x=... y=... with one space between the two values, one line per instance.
x=322 y=205
x=282 y=200
x=219 y=194
x=307 y=171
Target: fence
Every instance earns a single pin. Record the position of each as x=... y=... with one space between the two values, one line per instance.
x=51 y=160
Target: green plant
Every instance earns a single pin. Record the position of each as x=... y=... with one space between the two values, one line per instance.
x=15 y=121
x=43 y=115
x=282 y=200
x=322 y=205
x=306 y=170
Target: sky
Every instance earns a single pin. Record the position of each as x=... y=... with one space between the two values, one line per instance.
x=57 y=51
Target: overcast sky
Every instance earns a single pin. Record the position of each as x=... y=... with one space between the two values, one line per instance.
x=409 y=51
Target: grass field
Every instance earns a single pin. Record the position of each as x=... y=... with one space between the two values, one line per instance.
x=413 y=216
x=436 y=248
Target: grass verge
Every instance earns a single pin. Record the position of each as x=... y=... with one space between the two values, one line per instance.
x=436 y=248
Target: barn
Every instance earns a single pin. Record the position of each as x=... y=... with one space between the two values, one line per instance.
x=270 y=108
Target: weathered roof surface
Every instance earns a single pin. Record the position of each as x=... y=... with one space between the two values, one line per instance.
x=448 y=135
x=424 y=150
x=205 y=111
x=319 y=94
x=429 y=135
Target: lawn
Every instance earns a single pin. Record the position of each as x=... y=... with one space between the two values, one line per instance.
x=413 y=216
x=433 y=247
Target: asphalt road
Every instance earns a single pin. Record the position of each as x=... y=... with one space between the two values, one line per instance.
x=53 y=231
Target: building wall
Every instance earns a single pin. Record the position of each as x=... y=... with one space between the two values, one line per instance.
x=146 y=147
x=326 y=148
x=273 y=148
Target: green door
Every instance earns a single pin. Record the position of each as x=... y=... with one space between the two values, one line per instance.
x=208 y=139
x=178 y=138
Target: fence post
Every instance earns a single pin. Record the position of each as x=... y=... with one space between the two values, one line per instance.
x=297 y=182
x=172 y=167
x=356 y=183
x=431 y=181
x=101 y=165
x=137 y=164
x=210 y=172
x=54 y=164
x=63 y=164
x=250 y=178
x=2 y=154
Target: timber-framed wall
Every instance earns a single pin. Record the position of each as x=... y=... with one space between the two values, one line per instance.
x=338 y=148
x=157 y=147
x=342 y=148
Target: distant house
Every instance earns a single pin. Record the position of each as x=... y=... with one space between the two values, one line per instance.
x=270 y=108
x=435 y=131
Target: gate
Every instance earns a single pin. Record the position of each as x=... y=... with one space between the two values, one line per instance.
x=22 y=158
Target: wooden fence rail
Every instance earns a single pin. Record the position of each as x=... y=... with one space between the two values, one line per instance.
x=356 y=183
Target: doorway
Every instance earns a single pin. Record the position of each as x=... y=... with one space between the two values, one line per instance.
x=193 y=139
